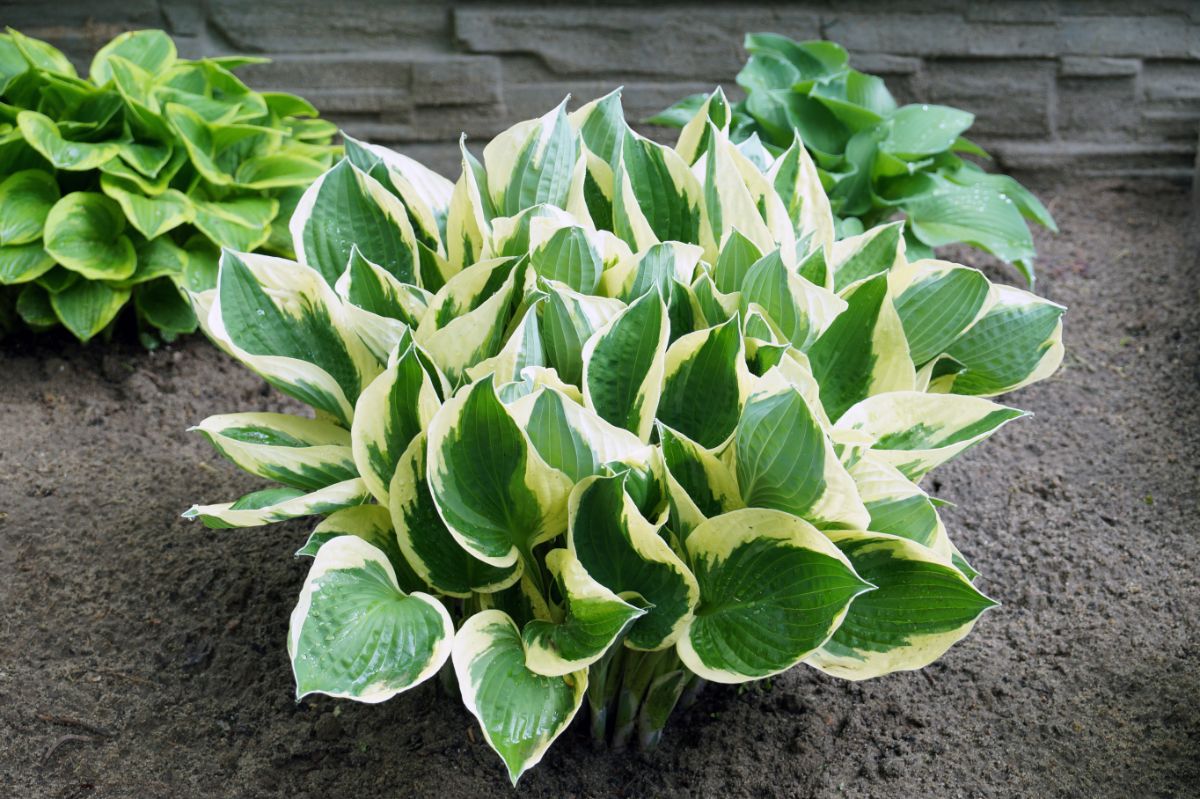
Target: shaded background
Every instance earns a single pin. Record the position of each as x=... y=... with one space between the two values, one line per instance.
x=1086 y=86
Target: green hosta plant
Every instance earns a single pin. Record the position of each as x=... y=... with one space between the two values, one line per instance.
x=877 y=160
x=124 y=186
x=605 y=419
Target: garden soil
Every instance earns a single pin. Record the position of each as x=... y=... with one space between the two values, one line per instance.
x=143 y=656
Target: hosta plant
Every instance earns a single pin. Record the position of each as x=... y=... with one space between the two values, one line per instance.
x=605 y=419
x=123 y=186
x=878 y=160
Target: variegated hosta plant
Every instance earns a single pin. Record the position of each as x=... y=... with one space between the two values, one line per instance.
x=606 y=419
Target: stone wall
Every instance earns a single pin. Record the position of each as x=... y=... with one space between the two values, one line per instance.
x=1090 y=86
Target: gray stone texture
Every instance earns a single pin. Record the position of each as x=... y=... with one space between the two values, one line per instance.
x=1102 y=86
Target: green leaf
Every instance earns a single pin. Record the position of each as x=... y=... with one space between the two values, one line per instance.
x=33 y=306
x=800 y=310
x=85 y=233
x=571 y=438
x=150 y=216
x=772 y=590
x=284 y=322
x=372 y=524
x=20 y=263
x=88 y=307
x=425 y=540
x=43 y=135
x=150 y=50
x=624 y=552
x=242 y=224
x=977 y=215
x=681 y=113
x=26 y=198
x=916 y=131
x=520 y=712
x=161 y=304
x=568 y=256
x=279 y=504
x=355 y=634
x=920 y=607
x=866 y=255
x=532 y=163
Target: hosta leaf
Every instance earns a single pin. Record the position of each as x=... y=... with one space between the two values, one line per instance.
x=347 y=208
x=157 y=258
x=772 y=590
x=737 y=256
x=468 y=220
x=938 y=302
x=277 y=171
x=921 y=606
x=425 y=540
x=521 y=713
x=570 y=437
x=160 y=303
x=898 y=506
x=737 y=195
x=565 y=254
x=799 y=309
x=466 y=320
x=916 y=432
x=147 y=159
x=151 y=50
x=1017 y=341
x=864 y=351
x=522 y=351
x=867 y=254
x=372 y=524
x=284 y=322
x=784 y=460
x=372 y=288
x=355 y=634
x=795 y=178
x=496 y=494
x=977 y=215
x=33 y=306
x=425 y=194
x=84 y=233
x=915 y=131
x=656 y=196
x=150 y=216
x=593 y=619
x=308 y=454
x=532 y=163
x=280 y=504
x=20 y=263
x=43 y=135
x=389 y=414
x=26 y=198
x=623 y=365
x=568 y=320
x=623 y=552
x=87 y=307
x=699 y=483
x=242 y=224
x=705 y=383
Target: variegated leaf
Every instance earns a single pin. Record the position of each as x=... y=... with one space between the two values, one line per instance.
x=355 y=634
x=772 y=590
x=920 y=607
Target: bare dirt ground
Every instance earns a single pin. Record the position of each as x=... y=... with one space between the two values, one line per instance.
x=143 y=656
